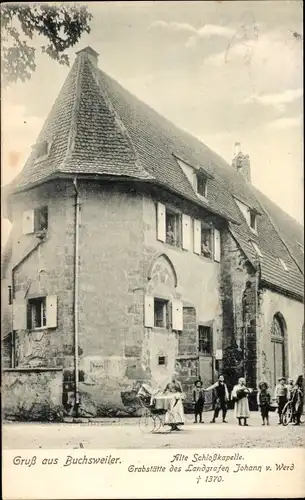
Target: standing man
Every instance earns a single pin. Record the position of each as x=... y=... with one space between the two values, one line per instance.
x=281 y=396
x=222 y=397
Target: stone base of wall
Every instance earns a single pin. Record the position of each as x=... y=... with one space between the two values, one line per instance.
x=32 y=394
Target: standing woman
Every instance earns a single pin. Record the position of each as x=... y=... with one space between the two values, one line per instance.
x=298 y=400
x=240 y=393
x=175 y=414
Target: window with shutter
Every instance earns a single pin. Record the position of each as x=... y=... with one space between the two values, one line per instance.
x=197 y=236
x=177 y=315
x=173 y=227
x=28 y=222
x=186 y=231
x=217 y=249
x=19 y=315
x=161 y=313
x=161 y=222
x=149 y=311
x=37 y=317
x=51 y=311
x=206 y=240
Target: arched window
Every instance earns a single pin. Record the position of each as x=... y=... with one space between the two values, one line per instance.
x=277 y=348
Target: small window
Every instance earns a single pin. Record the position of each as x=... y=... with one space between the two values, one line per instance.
x=283 y=264
x=252 y=220
x=161 y=360
x=201 y=184
x=205 y=340
x=41 y=219
x=37 y=317
x=206 y=240
x=173 y=228
x=10 y=301
x=160 y=313
x=257 y=249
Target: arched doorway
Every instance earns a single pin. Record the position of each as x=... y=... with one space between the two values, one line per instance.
x=277 y=365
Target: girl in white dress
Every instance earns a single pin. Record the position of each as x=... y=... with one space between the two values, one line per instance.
x=175 y=416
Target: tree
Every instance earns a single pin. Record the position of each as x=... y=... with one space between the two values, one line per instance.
x=61 y=25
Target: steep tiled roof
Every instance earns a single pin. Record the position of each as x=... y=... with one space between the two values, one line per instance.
x=97 y=127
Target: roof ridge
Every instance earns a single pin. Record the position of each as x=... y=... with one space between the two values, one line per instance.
x=73 y=122
x=277 y=231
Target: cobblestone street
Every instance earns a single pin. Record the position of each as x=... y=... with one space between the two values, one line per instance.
x=126 y=433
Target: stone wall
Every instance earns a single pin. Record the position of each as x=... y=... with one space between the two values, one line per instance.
x=238 y=291
x=48 y=270
x=32 y=394
x=111 y=324
x=198 y=286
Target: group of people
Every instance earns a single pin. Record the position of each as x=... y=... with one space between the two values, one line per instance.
x=239 y=394
x=284 y=392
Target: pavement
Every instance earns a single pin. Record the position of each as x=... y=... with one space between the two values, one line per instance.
x=127 y=434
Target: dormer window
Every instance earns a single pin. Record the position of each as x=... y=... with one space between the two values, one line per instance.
x=252 y=219
x=201 y=182
x=196 y=175
x=42 y=150
x=249 y=214
x=283 y=264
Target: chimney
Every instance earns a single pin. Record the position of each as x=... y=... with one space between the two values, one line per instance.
x=241 y=162
x=90 y=53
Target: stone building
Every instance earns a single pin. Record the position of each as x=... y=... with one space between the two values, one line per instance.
x=135 y=251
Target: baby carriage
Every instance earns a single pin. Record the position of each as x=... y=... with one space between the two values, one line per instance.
x=155 y=410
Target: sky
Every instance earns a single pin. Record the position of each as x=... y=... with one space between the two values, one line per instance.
x=224 y=71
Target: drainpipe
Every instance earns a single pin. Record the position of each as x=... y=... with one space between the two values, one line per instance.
x=76 y=279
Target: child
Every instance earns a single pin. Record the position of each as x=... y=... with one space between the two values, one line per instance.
x=263 y=401
x=281 y=396
x=198 y=399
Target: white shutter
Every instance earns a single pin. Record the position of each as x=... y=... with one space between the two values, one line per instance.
x=149 y=311
x=28 y=222
x=19 y=314
x=216 y=245
x=160 y=222
x=186 y=231
x=177 y=315
x=197 y=236
x=51 y=311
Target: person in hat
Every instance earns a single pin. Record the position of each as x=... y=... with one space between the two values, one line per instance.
x=221 y=398
x=198 y=399
x=281 y=396
x=263 y=401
